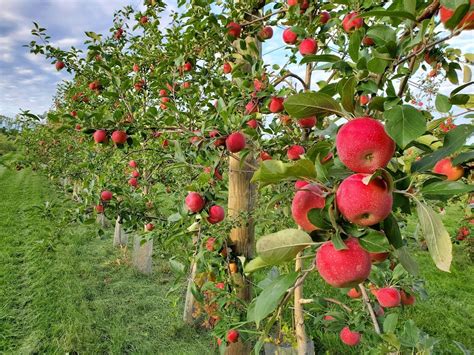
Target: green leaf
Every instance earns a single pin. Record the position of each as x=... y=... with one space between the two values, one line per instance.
x=453 y=141
x=275 y=171
x=406 y=260
x=381 y=34
x=390 y=323
x=325 y=58
x=436 y=236
x=377 y=65
x=347 y=92
x=271 y=296
x=442 y=103
x=392 y=231
x=311 y=103
x=282 y=246
x=445 y=189
x=464 y=157
x=404 y=124
x=385 y=13
x=460 y=88
x=374 y=242
x=319 y=217
x=354 y=44
x=255 y=264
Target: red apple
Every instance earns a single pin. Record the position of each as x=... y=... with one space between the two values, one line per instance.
x=216 y=214
x=276 y=104
x=220 y=285
x=252 y=123
x=299 y=184
x=233 y=29
x=73 y=113
x=106 y=195
x=210 y=244
x=445 y=167
x=354 y=293
x=363 y=145
x=285 y=120
x=367 y=41
x=305 y=199
x=265 y=156
x=295 y=151
x=136 y=68
x=328 y=318
x=266 y=33
x=59 y=65
x=307 y=122
x=361 y=204
x=133 y=182
x=251 y=107
x=292 y=2
x=308 y=46
x=352 y=22
x=186 y=85
x=407 y=299
x=235 y=142
x=349 y=337
x=187 y=66
x=258 y=85
x=118 y=33
x=195 y=202
x=135 y=174
x=119 y=137
x=289 y=37
x=99 y=209
x=227 y=68
x=163 y=92
x=78 y=127
x=132 y=164
x=324 y=17
x=343 y=268
x=364 y=100
x=149 y=227
x=100 y=136
x=232 y=336
x=378 y=257
x=388 y=297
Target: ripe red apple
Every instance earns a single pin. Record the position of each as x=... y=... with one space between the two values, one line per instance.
x=295 y=151
x=143 y=20
x=132 y=164
x=289 y=37
x=233 y=29
x=378 y=257
x=165 y=99
x=364 y=100
x=235 y=142
x=149 y=227
x=307 y=122
x=367 y=41
x=133 y=182
x=220 y=285
x=299 y=184
x=59 y=65
x=324 y=17
x=210 y=244
x=328 y=318
x=258 y=85
x=308 y=46
x=343 y=268
x=388 y=297
x=78 y=127
x=363 y=145
x=251 y=107
x=100 y=136
x=232 y=336
x=227 y=68
x=135 y=174
x=305 y=199
x=252 y=123
x=139 y=85
x=468 y=20
x=349 y=337
x=163 y=92
x=216 y=214
x=118 y=33
x=407 y=299
x=352 y=22
x=119 y=137
x=265 y=156
x=186 y=85
x=445 y=167
x=364 y=205
x=266 y=33
x=73 y=113
x=292 y=2
x=99 y=209
x=276 y=104
x=106 y=195
x=195 y=202
x=187 y=66
x=354 y=293
x=136 y=68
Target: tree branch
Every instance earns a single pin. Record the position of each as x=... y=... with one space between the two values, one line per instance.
x=366 y=300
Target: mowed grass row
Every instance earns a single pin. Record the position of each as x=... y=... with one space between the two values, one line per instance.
x=63 y=289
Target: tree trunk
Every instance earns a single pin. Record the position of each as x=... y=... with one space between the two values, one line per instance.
x=142 y=254
x=189 y=302
x=120 y=237
x=300 y=331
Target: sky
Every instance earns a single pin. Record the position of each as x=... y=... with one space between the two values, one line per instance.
x=28 y=82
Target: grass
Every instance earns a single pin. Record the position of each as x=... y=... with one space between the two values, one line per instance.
x=66 y=290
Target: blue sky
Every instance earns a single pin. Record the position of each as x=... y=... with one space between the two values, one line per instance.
x=28 y=81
